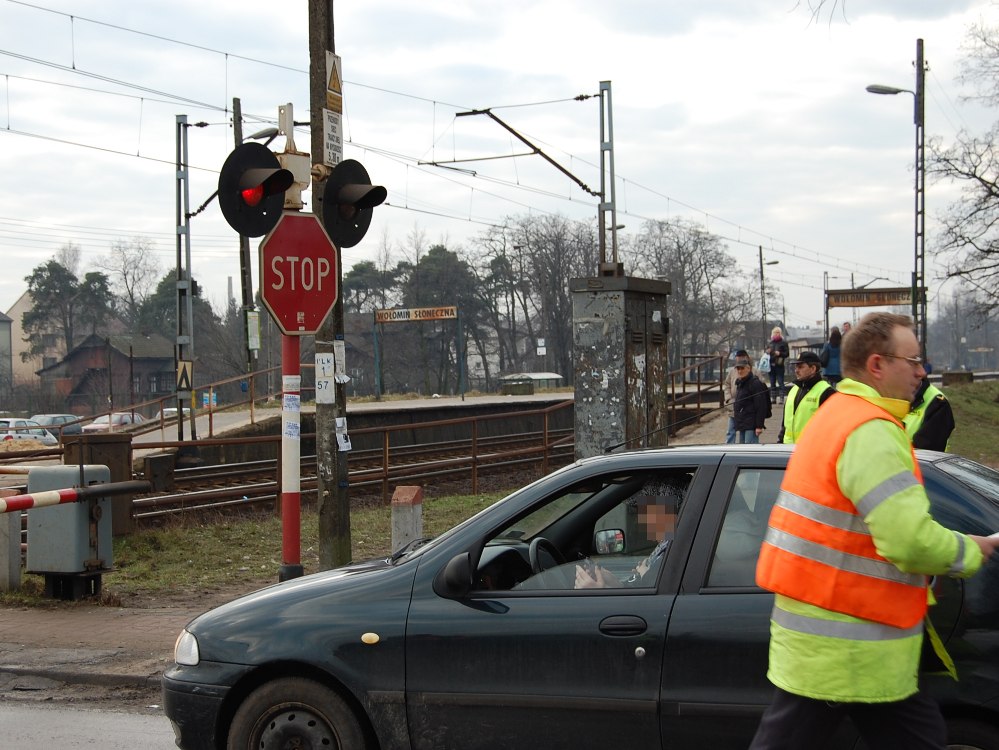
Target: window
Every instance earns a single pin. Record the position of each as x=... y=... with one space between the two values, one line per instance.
x=611 y=531
x=746 y=516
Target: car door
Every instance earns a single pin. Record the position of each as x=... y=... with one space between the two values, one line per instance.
x=542 y=665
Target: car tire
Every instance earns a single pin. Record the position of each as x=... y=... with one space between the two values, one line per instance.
x=968 y=734
x=294 y=712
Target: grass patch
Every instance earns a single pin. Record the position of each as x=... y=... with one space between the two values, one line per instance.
x=185 y=559
x=976 y=413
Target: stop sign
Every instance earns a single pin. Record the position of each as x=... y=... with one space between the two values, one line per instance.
x=298 y=273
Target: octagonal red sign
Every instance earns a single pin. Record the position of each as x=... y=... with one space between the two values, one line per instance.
x=298 y=273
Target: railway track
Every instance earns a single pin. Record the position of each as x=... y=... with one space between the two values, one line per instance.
x=458 y=464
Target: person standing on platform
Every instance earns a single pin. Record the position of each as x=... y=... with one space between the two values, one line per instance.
x=733 y=375
x=752 y=404
x=807 y=394
x=829 y=357
x=848 y=552
x=779 y=352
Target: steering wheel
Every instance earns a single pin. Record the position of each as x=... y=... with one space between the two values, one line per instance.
x=538 y=545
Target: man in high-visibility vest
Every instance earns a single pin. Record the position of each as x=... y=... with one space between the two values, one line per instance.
x=807 y=394
x=848 y=550
x=930 y=420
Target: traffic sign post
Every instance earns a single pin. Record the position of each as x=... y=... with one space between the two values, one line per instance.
x=298 y=286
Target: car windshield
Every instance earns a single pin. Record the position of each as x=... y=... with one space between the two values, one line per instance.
x=980 y=478
x=102 y=420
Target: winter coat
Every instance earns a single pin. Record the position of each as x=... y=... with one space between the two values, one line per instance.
x=779 y=352
x=752 y=402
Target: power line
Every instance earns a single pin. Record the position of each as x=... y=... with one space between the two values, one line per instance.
x=795 y=251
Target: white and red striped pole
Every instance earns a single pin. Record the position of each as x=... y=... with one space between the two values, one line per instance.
x=291 y=454
x=71 y=495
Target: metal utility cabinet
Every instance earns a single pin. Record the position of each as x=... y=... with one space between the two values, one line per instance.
x=70 y=544
x=620 y=327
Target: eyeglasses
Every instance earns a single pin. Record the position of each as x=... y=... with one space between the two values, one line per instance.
x=914 y=361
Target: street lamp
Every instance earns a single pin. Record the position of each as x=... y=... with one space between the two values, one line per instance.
x=919 y=263
x=763 y=294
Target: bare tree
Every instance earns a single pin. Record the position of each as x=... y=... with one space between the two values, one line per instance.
x=68 y=256
x=134 y=272
x=700 y=271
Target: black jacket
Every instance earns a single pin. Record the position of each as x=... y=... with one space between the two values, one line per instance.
x=779 y=352
x=938 y=421
x=752 y=402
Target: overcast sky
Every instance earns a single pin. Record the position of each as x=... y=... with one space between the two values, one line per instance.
x=744 y=115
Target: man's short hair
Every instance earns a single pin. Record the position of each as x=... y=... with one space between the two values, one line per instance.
x=872 y=335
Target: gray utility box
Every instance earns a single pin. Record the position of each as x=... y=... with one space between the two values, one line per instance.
x=70 y=543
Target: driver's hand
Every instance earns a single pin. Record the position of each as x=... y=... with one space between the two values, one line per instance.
x=595 y=577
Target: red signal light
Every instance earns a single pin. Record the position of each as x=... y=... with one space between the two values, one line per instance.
x=252 y=196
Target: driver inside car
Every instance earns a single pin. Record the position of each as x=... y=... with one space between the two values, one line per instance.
x=657 y=518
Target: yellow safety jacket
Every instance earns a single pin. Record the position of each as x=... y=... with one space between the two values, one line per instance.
x=829 y=641
x=913 y=421
x=795 y=419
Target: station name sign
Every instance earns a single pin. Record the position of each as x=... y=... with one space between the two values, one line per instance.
x=407 y=314
x=868 y=297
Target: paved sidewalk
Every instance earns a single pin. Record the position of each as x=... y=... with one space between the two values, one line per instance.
x=130 y=647
x=109 y=646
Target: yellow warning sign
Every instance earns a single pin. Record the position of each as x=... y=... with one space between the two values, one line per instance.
x=334 y=83
x=185 y=373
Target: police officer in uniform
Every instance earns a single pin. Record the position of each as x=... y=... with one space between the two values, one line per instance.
x=930 y=420
x=806 y=395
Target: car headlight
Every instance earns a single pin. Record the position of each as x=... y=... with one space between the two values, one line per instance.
x=185 y=650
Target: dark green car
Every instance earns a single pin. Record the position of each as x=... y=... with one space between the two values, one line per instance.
x=610 y=604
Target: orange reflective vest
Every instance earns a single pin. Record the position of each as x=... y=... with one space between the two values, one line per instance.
x=818 y=548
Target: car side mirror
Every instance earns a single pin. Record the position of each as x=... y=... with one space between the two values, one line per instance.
x=609 y=541
x=454 y=581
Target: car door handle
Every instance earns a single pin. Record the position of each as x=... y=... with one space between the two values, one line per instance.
x=623 y=625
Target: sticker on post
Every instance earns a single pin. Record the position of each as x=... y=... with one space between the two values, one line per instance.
x=340 y=351
x=292 y=430
x=291 y=402
x=325 y=369
x=342 y=438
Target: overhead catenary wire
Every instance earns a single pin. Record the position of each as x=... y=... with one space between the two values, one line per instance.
x=793 y=250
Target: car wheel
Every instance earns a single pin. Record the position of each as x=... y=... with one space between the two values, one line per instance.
x=295 y=712
x=967 y=734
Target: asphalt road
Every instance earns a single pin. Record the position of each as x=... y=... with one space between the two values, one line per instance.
x=28 y=727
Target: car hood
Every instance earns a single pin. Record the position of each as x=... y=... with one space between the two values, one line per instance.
x=279 y=621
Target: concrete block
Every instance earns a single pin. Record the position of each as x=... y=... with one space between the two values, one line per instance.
x=407 y=515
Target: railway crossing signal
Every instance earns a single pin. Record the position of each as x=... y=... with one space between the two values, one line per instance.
x=349 y=199
x=251 y=189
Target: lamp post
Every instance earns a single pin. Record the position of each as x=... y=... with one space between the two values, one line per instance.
x=919 y=262
x=763 y=294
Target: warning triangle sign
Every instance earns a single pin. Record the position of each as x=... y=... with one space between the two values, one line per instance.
x=185 y=368
x=335 y=85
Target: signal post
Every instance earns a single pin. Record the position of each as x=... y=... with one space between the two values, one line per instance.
x=299 y=277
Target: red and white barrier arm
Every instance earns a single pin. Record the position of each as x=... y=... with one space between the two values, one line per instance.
x=72 y=495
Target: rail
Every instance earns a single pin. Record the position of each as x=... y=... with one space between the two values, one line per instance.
x=402 y=456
